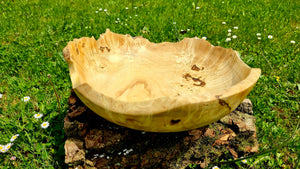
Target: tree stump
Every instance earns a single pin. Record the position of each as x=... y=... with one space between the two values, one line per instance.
x=93 y=142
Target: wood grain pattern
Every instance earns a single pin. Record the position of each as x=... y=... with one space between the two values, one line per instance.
x=159 y=87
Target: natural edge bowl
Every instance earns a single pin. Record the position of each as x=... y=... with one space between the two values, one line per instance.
x=157 y=87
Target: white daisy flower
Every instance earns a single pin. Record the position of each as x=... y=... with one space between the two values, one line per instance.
x=100 y=9
x=39 y=115
x=1 y=95
x=244 y=160
x=14 y=137
x=235 y=27
x=204 y=38
x=8 y=146
x=258 y=34
x=45 y=125
x=96 y=11
x=234 y=36
x=135 y=7
x=228 y=39
x=270 y=37
x=26 y=99
x=229 y=30
x=229 y=34
x=215 y=167
x=174 y=23
x=224 y=23
x=188 y=30
x=2 y=148
x=292 y=41
x=126 y=8
x=197 y=7
x=105 y=10
x=259 y=38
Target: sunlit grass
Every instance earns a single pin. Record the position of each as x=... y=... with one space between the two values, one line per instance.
x=34 y=33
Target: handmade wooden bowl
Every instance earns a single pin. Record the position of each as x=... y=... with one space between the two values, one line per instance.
x=157 y=87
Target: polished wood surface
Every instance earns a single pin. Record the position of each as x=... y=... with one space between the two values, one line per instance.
x=159 y=87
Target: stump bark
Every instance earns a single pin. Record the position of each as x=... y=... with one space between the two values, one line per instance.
x=93 y=142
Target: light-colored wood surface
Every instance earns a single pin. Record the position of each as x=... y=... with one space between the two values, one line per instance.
x=159 y=87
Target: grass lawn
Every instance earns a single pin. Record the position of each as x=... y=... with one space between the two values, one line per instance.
x=33 y=34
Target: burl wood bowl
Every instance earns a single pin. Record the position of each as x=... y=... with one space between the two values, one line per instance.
x=157 y=87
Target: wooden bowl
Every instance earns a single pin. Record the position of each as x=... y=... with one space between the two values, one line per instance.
x=157 y=87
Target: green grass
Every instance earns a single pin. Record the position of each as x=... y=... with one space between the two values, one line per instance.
x=34 y=33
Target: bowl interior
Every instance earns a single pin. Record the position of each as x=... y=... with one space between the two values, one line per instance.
x=133 y=69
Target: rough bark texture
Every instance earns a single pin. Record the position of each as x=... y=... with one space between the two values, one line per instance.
x=93 y=142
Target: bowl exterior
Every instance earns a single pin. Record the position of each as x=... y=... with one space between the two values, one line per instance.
x=178 y=119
